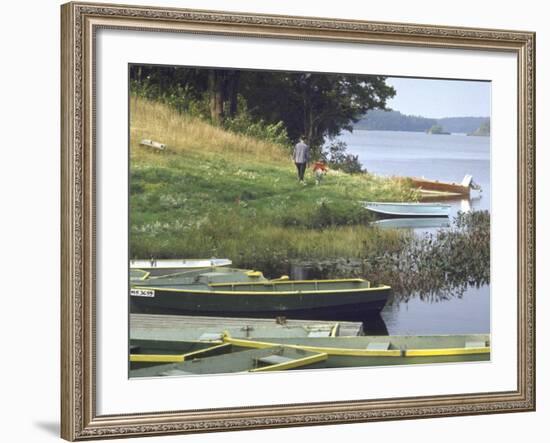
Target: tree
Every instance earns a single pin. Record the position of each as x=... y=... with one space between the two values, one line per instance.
x=314 y=105
x=223 y=92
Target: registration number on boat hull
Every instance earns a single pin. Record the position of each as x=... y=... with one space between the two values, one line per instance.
x=142 y=292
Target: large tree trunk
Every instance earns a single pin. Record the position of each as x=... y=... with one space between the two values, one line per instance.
x=232 y=89
x=216 y=93
x=308 y=125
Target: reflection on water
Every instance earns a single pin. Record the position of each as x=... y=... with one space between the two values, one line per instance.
x=412 y=223
x=467 y=314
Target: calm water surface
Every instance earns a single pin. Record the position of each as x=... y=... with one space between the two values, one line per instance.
x=437 y=157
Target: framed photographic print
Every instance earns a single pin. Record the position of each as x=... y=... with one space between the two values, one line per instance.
x=282 y=221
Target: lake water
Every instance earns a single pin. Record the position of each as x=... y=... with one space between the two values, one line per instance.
x=437 y=157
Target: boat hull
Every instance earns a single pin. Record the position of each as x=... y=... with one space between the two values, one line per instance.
x=276 y=358
x=384 y=350
x=328 y=305
x=432 y=185
x=409 y=210
x=161 y=267
x=336 y=361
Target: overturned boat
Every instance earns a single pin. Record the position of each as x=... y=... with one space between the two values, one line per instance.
x=229 y=292
x=435 y=188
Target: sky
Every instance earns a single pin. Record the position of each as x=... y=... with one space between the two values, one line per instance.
x=440 y=98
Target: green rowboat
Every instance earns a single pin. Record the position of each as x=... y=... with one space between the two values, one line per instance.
x=228 y=292
x=147 y=353
x=274 y=358
x=383 y=350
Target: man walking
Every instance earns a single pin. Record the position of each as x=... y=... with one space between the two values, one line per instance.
x=301 y=157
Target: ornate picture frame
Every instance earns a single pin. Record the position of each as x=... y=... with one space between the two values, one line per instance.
x=80 y=23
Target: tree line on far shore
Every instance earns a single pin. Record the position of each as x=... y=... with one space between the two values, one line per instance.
x=385 y=120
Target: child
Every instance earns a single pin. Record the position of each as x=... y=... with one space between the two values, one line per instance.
x=319 y=170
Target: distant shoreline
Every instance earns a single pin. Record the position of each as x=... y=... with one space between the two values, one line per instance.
x=380 y=120
x=462 y=134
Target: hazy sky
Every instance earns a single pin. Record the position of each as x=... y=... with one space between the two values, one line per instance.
x=440 y=98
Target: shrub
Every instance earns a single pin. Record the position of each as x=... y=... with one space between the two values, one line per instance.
x=243 y=123
x=338 y=158
x=181 y=98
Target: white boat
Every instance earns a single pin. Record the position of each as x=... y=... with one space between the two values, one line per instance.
x=409 y=209
x=158 y=267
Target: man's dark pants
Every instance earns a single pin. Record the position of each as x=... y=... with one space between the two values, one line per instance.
x=301 y=170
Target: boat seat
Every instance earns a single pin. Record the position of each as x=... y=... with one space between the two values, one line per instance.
x=378 y=346
x=318 y=334
x=211 y=336
x=273 y=359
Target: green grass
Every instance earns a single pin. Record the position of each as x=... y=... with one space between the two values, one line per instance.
x=215 y=193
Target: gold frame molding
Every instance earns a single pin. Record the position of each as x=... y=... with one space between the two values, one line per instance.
x=79 y=22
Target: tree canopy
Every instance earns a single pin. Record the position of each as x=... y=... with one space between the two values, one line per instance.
x=315 y=105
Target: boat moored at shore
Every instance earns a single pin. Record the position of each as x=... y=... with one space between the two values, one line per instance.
x=408 y=210
x=232 y=292
x=158 y=267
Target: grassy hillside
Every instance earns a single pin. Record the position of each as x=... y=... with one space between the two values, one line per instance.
x=216 y=193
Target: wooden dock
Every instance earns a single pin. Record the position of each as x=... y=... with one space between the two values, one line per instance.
x=181 y=327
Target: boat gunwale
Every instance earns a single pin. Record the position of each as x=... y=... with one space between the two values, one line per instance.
x=309 y=292
x=294 y=363
x=193 y=271
x=411 y=214
x=352 y=352
x=291 y=282
x=134 y=263
x=360 y=352
x=176 y=358
x=407 y=203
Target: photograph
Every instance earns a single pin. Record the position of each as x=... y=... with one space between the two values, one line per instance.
x=290 y=220
x=274 y=220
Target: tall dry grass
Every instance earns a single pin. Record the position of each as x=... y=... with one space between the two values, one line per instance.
x=186 y=134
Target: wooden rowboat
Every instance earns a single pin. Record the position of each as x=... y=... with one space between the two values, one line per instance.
x=459 y=189
x=147 y=353
x=383 y=350
x=409 y=209
x=227 y=292
x=271 y=358
x=155 y=358
x=171 y=266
